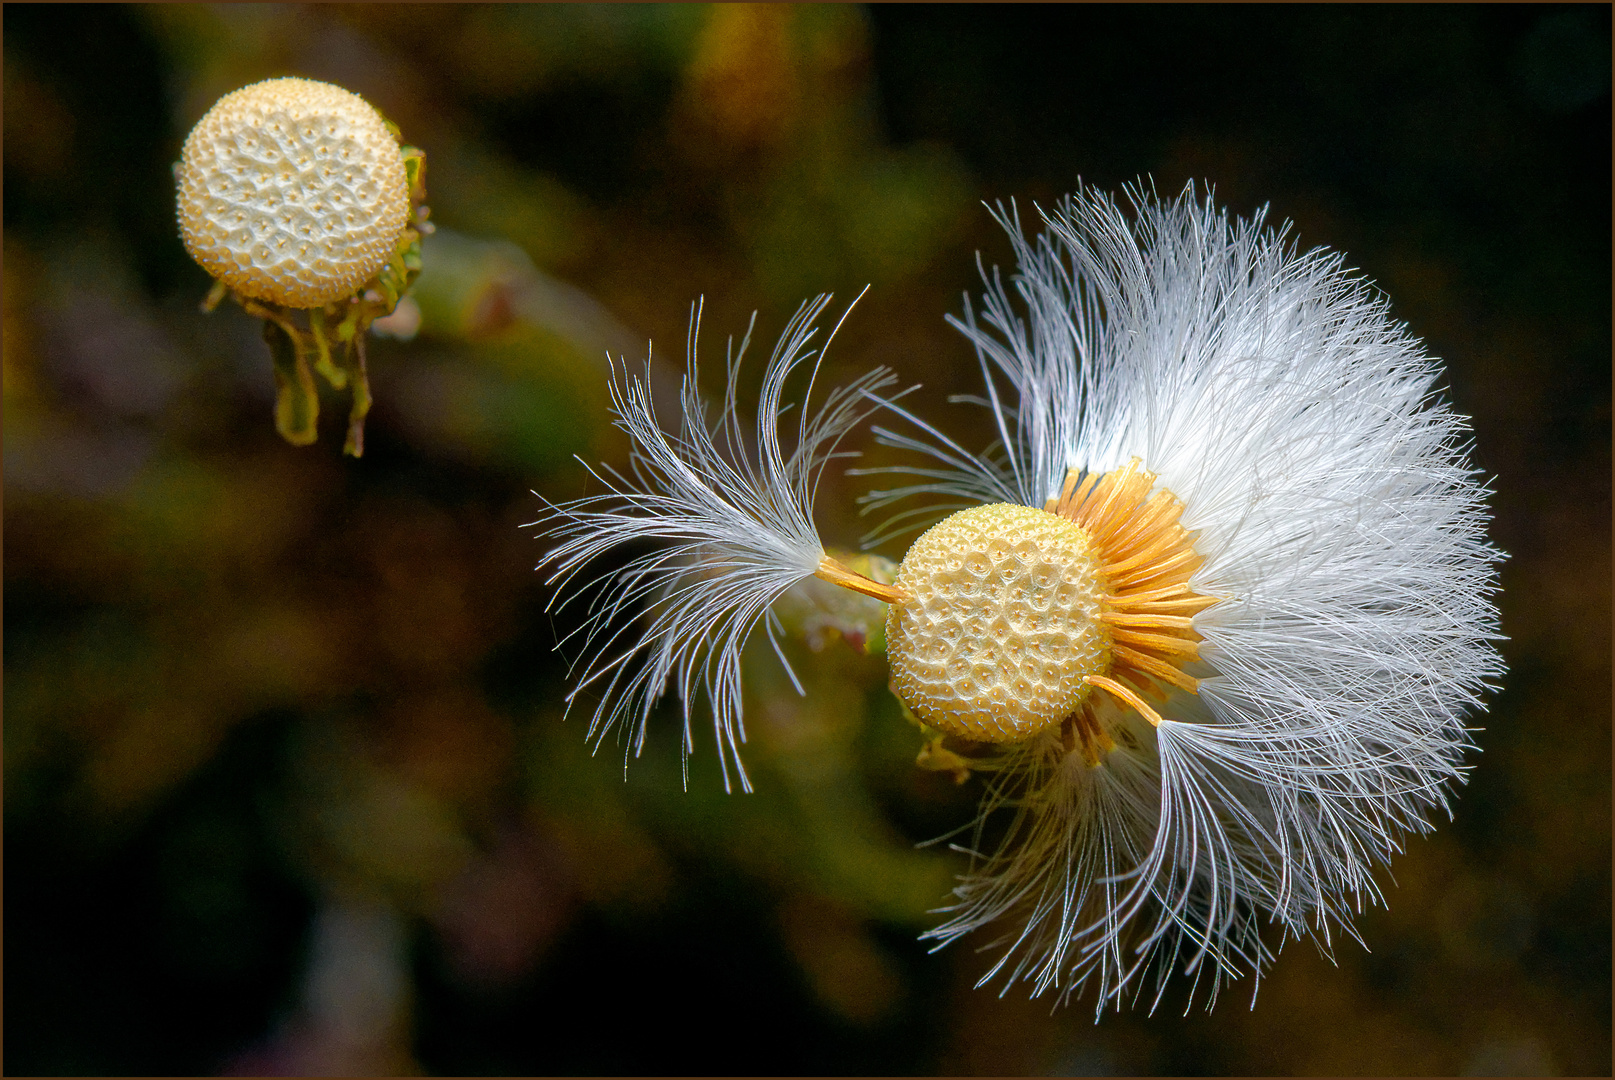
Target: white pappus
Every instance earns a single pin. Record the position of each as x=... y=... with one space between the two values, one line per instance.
x=735 y=533
x=1211 y=623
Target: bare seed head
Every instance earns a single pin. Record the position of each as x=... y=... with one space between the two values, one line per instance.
x=292 y=191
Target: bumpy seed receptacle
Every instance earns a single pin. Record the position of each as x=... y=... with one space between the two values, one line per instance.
x=292 y=191
x=1002 y=625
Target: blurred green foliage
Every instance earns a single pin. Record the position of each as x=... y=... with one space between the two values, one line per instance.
x=287 y=783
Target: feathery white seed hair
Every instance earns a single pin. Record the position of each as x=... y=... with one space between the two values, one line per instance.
x=733 y=535
x=1339 y=520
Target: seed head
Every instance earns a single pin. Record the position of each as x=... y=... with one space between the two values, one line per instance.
x=1002 y=624
x=1226 y=493
x=292 y=191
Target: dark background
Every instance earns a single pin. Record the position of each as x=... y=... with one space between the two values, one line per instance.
x=286 y=786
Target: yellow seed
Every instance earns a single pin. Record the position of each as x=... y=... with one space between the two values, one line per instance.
x=1000 y=626
x=292 y=121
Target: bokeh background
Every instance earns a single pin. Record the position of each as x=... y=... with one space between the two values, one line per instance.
x=287 y=785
